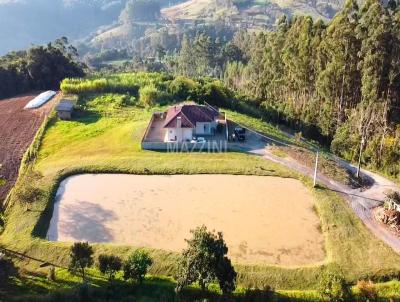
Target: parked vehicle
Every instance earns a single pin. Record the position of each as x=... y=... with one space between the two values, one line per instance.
x=239 y=134
x=198 y=140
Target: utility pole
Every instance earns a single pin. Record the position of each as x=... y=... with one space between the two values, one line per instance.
x=359 y=158
x=316 y=168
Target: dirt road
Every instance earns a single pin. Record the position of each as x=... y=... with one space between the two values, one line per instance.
x=18 y=127
x=361 y=201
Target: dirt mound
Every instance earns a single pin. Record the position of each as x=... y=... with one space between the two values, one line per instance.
x=390 y=218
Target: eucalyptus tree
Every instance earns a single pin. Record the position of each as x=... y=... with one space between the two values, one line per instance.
x=338 y=82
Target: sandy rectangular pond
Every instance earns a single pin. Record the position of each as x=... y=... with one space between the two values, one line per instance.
x=263 y=219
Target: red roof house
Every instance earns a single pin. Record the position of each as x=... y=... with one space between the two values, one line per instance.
x=187 y=121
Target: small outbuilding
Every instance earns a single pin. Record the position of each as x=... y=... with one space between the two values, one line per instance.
x=64 y=109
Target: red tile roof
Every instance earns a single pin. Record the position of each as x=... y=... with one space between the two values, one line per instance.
x=190 y=115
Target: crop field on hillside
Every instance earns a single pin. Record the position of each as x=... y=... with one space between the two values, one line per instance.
x=268 y=11
x=17 y=130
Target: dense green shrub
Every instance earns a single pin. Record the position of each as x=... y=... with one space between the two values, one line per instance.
x=215 y=93
x=135 y=268
x=205 y=261
x=106 y=102
x=81 y=255
x=109 y=265
x=149 y=95
x=183 y=88
x=332 y=287
x=158 y=88
x=38 y=68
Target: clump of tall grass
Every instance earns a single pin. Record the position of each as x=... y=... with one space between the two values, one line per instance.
x=118 y=83
x=150 y=95
x=81 y=86
x=106 y=102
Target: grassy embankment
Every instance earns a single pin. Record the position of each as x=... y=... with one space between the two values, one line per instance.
x=300 y=151
x=106 y=138
x=37 y=288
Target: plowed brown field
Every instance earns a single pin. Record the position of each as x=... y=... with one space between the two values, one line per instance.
x=18 y=127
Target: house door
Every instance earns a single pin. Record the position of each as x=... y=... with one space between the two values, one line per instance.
x=207 y=128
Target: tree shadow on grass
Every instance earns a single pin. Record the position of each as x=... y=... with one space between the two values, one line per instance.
x=84 y=215
x=86 y=117
x=34 y=285
x=7 y=270
x=154 y=289
x=365 y=201
x=85 y=222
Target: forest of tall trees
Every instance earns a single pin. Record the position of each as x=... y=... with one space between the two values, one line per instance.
x=38 y=68
x=339 y=83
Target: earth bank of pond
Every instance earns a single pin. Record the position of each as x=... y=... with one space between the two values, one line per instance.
x=264 y=219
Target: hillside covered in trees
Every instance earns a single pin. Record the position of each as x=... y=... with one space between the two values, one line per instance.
x=338 y=83
x=143 y=23
x=100 y=24
x=38 y=68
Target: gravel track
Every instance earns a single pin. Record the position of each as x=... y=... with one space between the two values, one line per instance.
x=362 y=201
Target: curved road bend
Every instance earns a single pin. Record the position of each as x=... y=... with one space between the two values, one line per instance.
x=362 y=202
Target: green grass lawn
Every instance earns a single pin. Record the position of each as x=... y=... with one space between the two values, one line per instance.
x=259 y=125
x=156 y=288
x=116 y=63
x=105 y=140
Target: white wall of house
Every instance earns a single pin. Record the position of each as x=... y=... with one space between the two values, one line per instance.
x=179 y=134
x=187 y=134
x=205 y=128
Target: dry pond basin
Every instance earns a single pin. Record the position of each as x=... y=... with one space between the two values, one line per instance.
x=264 y=219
